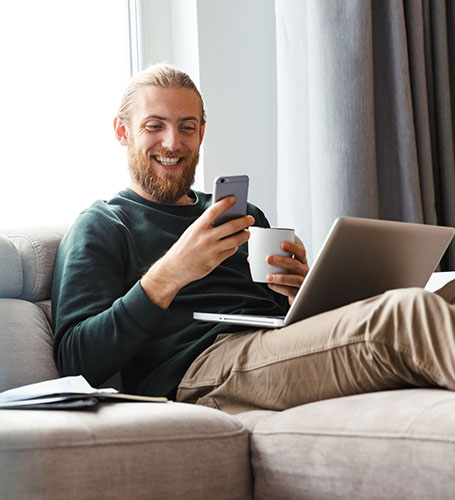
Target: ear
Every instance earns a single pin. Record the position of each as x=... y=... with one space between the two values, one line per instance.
x=202 y=134
x=121 y=131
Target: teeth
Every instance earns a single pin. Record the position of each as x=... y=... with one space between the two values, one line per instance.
x=167 y=161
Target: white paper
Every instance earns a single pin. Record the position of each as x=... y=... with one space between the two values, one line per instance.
x=73 y=385
x=438 y=280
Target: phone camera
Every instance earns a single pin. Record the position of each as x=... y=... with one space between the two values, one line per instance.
x=222 y=181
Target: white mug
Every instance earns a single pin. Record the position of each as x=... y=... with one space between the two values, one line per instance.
x=265 y=241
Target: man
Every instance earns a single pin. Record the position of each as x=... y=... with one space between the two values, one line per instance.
x=131 y=271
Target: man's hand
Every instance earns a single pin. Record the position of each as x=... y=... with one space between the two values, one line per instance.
x=199 y=250
x=289 y=284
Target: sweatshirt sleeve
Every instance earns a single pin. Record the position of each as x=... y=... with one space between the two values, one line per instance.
x=100 y=320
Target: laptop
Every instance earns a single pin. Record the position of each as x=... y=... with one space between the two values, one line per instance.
x=359 y=258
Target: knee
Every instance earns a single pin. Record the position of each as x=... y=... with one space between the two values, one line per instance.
x=409 y=295
x=412 y=301
x=399 y=313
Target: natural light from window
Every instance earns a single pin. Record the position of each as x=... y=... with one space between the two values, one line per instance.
x=64 y=67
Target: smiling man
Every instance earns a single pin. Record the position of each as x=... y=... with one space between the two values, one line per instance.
x=132 y=270
x=163 y=147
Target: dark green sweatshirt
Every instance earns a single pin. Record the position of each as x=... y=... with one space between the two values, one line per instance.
x=104 y=322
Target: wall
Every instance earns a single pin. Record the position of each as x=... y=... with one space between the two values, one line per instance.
x=228 y=48
x=237 y=62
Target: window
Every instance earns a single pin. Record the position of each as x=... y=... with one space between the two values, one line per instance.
x=64 y=67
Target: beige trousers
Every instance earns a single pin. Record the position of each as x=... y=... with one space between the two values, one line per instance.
x=402 y=338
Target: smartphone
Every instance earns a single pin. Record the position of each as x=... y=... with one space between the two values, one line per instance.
x=236 y=185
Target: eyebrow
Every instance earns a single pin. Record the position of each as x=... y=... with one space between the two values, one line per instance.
x=157 y=117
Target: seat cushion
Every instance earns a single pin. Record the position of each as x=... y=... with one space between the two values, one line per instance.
x=385 y=445
x=124 y=451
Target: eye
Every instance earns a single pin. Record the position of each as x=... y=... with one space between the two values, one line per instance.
x=153 y=126
x=188 y=128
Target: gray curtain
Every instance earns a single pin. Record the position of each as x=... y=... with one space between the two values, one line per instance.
x=376 y=79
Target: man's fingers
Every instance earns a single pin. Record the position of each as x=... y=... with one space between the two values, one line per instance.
x=297 y=249
x=295 y=266
x=289 y=292
x=215 y=210
x=290 y=280
x=230 y=227
x=234 y=240
x=234 y=226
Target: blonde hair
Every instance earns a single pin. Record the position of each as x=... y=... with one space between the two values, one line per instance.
x=157 y=75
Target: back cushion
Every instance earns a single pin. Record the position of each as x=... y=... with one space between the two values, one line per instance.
x=27 y=260
x=11 y=280
x=37 y=249
x=25 y=344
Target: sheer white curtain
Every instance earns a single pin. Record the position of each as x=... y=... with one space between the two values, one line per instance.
x=325 y=122
x=326 y=127
x=294 y=202
x=366 y=113
x=64 y=66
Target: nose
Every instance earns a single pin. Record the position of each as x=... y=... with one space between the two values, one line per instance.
x=171 y=139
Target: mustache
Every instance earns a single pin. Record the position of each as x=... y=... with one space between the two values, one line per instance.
x=178 y=153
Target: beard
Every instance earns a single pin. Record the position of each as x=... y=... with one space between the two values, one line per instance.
x=168 y=188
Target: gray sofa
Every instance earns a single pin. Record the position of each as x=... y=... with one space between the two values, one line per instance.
x=385 y=445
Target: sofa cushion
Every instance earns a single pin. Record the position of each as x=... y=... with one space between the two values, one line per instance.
x=37 y=249
x=25 y=344
x=385 y=445
x=124 y=451
x=10 y=269
x=46 y=307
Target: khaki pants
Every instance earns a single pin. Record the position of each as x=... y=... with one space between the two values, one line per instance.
x=402 y=338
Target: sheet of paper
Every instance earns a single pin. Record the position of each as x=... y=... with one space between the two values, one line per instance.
x=48 y=402
x=438 y=280
x=77 y=384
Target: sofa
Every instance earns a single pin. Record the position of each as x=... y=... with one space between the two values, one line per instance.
x=386 y=445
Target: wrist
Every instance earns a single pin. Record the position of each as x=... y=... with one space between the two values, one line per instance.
x=160 y=285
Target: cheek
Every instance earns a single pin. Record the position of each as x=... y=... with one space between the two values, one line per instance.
x=148 y=148
x=144 y=143
x=192 y=145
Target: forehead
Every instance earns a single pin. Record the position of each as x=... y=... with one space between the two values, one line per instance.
x=171 y=103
